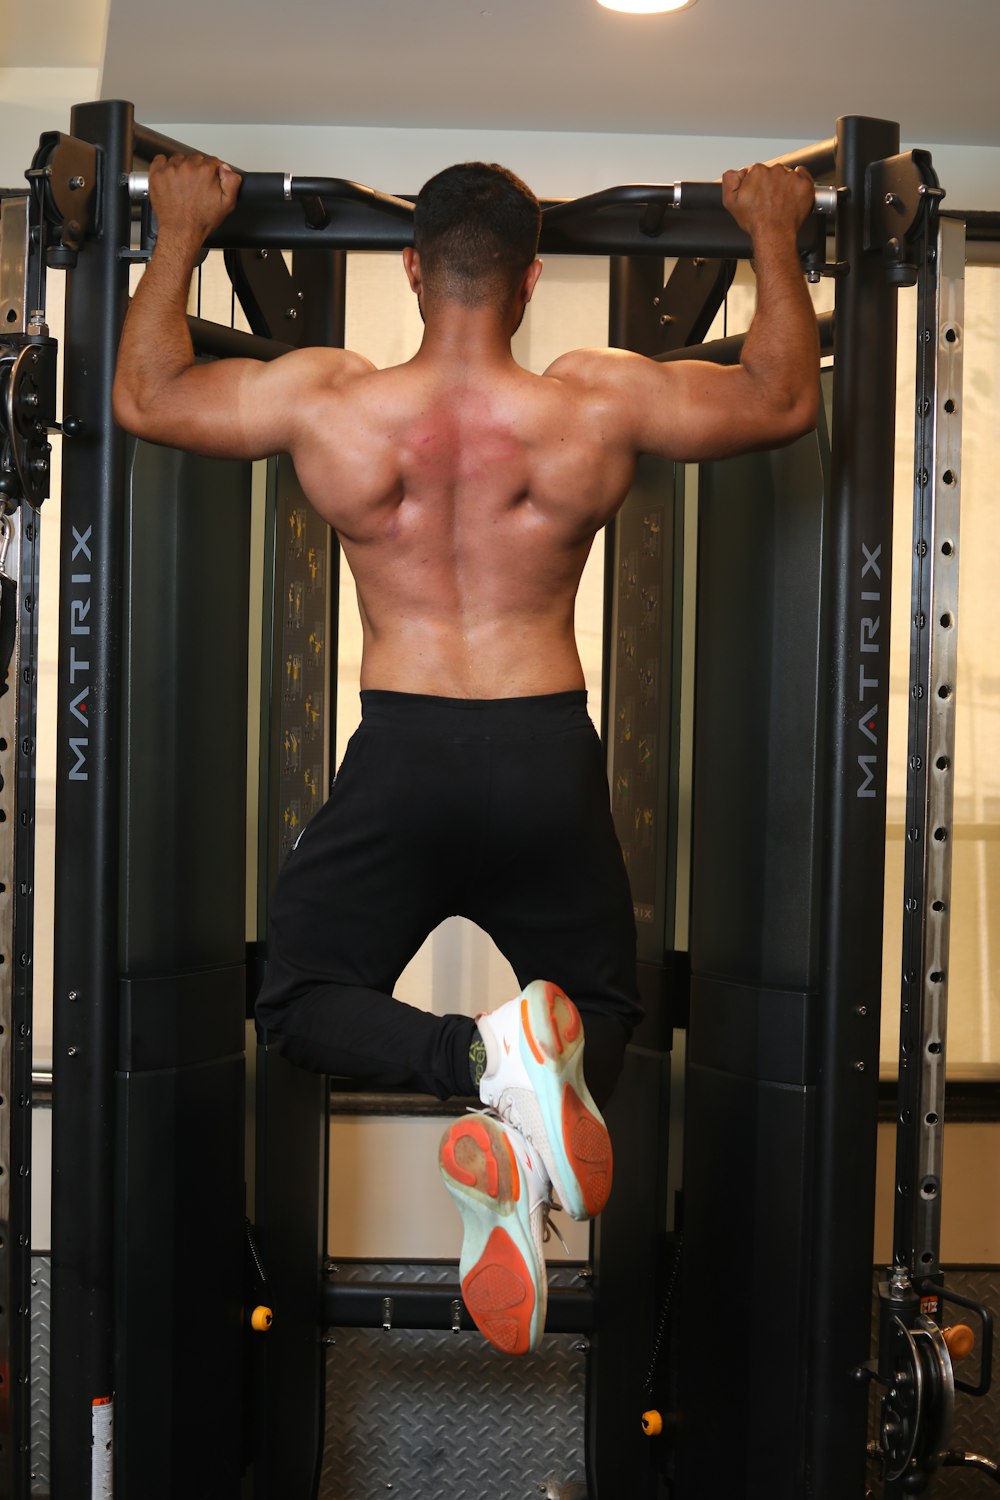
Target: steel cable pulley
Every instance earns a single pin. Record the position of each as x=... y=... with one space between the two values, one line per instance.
x=918 y=1408
x=9 y=479
x=27 y=402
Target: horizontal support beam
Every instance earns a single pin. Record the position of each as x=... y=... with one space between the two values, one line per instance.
x=818 y=159
x=980 y=224
x=975 y=1099
x=215 y=340
x=359 y=226
x=220 y=342
x=395 y=1104
x=982 y=234
x=727 y=351
x=422 y=1305
x=148 y=143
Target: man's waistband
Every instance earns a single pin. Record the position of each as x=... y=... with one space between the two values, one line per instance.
x=475 y=718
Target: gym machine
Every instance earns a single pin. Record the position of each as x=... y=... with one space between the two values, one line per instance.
x=152 y=1353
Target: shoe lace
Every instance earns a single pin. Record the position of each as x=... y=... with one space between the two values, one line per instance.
x=506 y=1110
x=549 y=1227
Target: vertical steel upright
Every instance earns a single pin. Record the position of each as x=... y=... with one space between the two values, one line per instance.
x=87 y=822
x=21 y=302
x=858 y=558
x=17 y=859
x=931 y=743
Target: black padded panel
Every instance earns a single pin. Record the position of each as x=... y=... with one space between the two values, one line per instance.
x=184 y=812
x=750 y=1100
x=180 y=1334
x=744 y=1287
x=757 y=717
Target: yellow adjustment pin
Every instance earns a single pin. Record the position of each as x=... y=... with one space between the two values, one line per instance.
x=261 y=1319
x=652 y=1423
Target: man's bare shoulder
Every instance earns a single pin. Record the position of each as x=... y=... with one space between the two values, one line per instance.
x=328 y=368
x=612 y=385
x=321 y=383
x=596 y=368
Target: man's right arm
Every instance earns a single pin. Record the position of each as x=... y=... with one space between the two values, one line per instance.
x=232 y=408
x=691 y=410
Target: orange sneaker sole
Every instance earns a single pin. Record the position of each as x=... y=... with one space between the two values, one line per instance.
x=588 y=1147
x=584 y=1136
x=564 y=1021
x=498 y=1290
x=500 y=1295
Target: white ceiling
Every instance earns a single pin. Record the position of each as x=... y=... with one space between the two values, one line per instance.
x=776 y=68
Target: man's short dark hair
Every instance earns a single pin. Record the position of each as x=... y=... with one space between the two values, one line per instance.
x=476 y=230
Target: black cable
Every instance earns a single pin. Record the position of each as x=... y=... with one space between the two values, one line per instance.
x=662 y=1324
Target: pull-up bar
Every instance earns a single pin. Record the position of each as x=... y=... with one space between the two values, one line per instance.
x=272 y=187
x=680 y=218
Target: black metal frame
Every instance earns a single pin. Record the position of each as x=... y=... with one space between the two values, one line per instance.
x=335 y=215
x=860 y=528
x=18 y=695
x=86 y=969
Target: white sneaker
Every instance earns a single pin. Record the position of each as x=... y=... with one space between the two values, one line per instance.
x=503 y=1195
x=534 y=1081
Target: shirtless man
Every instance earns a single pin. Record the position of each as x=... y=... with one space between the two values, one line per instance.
x=466 y=493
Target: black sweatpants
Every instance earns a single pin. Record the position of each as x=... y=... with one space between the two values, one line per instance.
x=494 y=809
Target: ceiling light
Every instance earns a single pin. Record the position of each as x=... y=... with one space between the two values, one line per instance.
x=646 y=7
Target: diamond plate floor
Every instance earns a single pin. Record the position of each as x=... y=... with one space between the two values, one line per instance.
x=442 y=1416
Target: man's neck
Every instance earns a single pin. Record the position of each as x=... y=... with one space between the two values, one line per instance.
x=459 y=335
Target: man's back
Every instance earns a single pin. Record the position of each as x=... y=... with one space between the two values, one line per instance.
x=466 y=494
x=465 y=490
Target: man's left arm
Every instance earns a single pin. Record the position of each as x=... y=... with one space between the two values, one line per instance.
x=692 y=410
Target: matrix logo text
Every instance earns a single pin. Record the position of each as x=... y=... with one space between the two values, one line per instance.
x=870 y=668
x=79 y=666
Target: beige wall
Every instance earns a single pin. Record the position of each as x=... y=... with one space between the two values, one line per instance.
x=387 y=1201
x=33 y=100
x=974 y=970
x=970 y=1203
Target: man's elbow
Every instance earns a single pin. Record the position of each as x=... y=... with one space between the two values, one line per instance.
x=798 y=414
x=125 y=407
x=807 y=410
x=135 y=415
